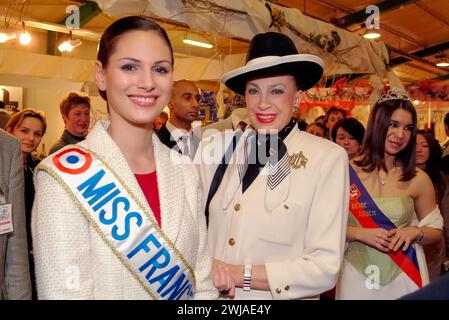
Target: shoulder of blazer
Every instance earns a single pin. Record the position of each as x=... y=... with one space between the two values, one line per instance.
x=165 y=137
x=8 y=140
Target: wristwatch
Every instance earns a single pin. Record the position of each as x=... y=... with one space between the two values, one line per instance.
x=247 y=277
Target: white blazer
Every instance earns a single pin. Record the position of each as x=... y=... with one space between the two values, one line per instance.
x=73 y=262
x=300 y=242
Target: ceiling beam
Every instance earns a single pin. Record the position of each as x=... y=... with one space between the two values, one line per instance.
x=419 y=59
x=360 y=16
x=333 y=6
x=432 y=13
x=88 y=11
x=421 y=53
x=384 y=7
x=442 y=78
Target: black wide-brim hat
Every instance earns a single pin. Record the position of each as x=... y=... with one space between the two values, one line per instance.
x=273 y=54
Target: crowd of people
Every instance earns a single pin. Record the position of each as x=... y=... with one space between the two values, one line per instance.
x=257 y=206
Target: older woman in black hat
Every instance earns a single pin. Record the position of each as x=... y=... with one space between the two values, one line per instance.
x=277 y=197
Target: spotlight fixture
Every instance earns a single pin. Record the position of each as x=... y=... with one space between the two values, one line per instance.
x=442 y=60
x=25 y=37
x=69 y=45
x=371 y=34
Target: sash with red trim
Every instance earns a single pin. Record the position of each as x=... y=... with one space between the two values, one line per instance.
x=368 y=214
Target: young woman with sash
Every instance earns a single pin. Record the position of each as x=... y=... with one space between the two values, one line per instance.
x=115 y=217
x=277 y=204
x=392 y=208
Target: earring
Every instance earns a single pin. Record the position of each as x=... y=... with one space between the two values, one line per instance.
x=295 y=108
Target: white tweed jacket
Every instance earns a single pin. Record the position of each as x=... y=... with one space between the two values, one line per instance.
x=73 y=262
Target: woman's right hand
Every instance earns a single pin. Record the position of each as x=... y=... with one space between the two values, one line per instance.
x=377 y=238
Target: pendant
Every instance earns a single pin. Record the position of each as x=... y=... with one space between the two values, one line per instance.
x=382 y=178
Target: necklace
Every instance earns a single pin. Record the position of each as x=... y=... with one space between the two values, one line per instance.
x=382 y=176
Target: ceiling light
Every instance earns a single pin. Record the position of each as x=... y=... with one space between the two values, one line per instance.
x=24 y=37
x=198 y=43
x=442 y=64
x=62 y=29
x=7 y=36
x=371 y=34
x=442 y=60
x=69 y=45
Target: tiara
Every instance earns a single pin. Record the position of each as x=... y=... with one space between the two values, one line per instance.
x=394 y=94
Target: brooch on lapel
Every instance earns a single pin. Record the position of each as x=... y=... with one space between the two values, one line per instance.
x=297 y=160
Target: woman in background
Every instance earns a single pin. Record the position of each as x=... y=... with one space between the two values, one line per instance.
x=317 y=129
x=428 y=154
x=333 y=114
x=28 y=126
x=349 y=133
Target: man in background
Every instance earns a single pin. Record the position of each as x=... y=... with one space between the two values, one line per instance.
x=160 y=121
x=237 y=120
x=184 y=106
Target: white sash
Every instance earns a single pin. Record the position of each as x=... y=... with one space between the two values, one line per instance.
x=132 y=234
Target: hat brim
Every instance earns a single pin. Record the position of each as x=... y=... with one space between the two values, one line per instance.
x=307 y=70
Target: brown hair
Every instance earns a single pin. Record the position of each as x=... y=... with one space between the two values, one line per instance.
x=17 y=119
x=373 y=148
x=334 y=110
x=71 y=100
x=114 y=31
x=319 y=125
x=164 y=115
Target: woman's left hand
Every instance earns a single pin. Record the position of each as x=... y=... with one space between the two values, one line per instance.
x=223 y=280
x=403 y=237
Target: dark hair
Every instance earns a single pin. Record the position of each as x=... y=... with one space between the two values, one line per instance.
x=432 y=165
x=334 y=110
x=71 y=100
x=114 y=31
x=373 y=146
x=321 y=126
x=351 y=126
x=302 y=125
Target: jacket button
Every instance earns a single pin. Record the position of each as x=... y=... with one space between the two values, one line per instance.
x=285 y=206
x=278 y=291
x=237 y=207
x=287 y=288
x=231 y=241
